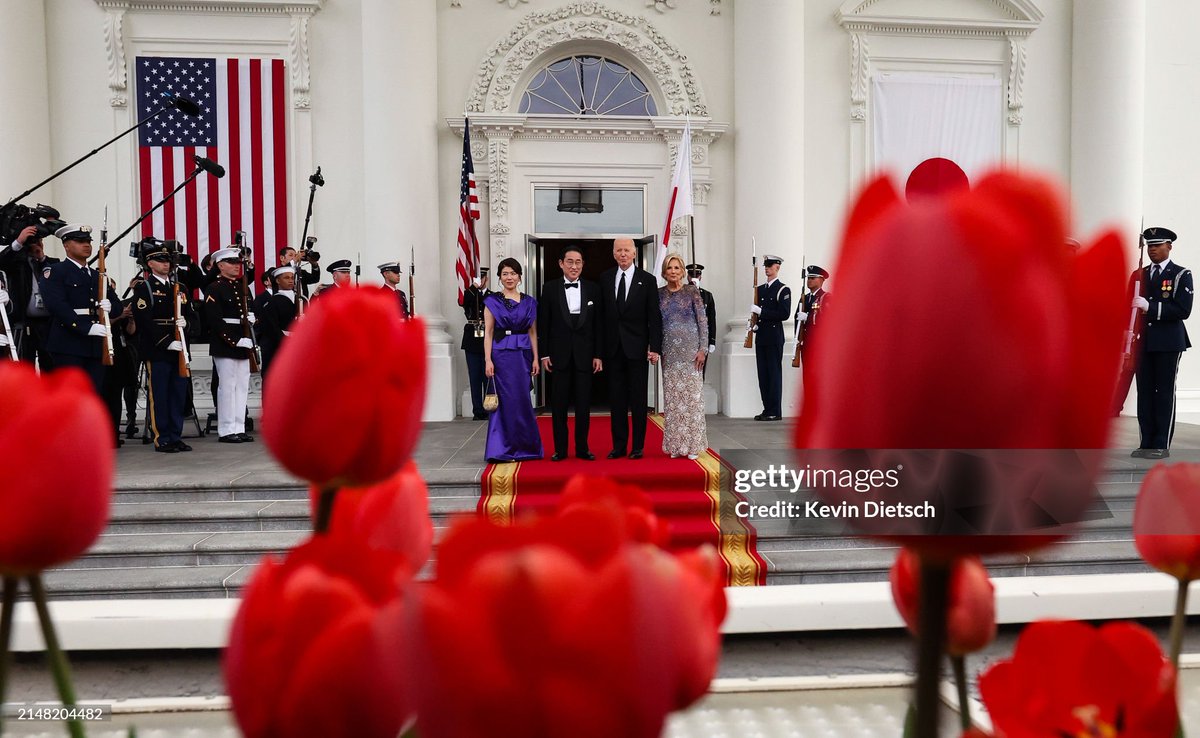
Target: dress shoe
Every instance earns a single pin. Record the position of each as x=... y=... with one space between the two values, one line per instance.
x=615 y=454
x=182 y=446
x=558 y=457
x=1140 y=453
x=231 y=438
x=246 y=437
x=586 y=456
x=760 y=416
x=479 y=417
x=770 y=417
x=635 y=454
x=172 y=449
x=1157 y=453
x=131 y=430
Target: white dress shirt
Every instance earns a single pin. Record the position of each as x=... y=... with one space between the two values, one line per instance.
x=573 y=297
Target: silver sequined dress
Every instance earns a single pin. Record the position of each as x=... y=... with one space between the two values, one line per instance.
x=685 y=331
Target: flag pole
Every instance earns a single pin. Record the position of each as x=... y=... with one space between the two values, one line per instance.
x=692 y=235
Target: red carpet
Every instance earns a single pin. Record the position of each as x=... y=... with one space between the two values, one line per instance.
x=686 y=493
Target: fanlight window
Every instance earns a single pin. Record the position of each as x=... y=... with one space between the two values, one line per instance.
x=587 y=85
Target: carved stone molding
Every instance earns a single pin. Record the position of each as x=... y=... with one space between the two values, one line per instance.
x=222 y=7
x=298 y=48
x=114 y=50
x=499 y=248
x=700 y=192
x=679 y=227
x=512 y=3
x=714 y=7
x=118 y=101
x=501 y=229
x=661 y=6
x=507 y=60
x=498 y=177
x=1016 y=78
x=860 y=71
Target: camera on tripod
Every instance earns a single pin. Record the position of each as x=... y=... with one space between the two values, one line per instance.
x=16 y=217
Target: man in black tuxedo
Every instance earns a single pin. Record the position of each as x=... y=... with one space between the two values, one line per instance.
x=570 y=339
x=632 y=336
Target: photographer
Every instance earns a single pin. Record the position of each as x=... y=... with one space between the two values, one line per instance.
x=24 y=263
x=312 y=275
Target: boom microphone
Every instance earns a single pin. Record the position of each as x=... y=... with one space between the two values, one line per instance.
x=209 y=166
x=182 y=104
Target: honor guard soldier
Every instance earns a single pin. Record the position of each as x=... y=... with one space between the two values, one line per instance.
x=695 y=273
x=230 y=346
x=277 y=315
x=71 y=293
x=160 y=344
x=472 y=340
x=1165 y=302
x=391 y=281
x=808 y=313
x=340 y=271
x=774 y=306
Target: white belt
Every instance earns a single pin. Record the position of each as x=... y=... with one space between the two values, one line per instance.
x=83 y=311
x=233 y=321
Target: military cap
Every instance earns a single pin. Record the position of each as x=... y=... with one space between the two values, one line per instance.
x=770 y=259
x=483 y=271
x=283 y=270
x=1159 y=235
x=226 y=255
x=815 y=271
x=694 y=269
x=154 y=249
x=74 y=233
x=341 y=265
x=391 y=266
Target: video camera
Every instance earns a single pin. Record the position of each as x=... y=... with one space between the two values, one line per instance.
x=148 y=245
x=16 y=217
x=309 y=253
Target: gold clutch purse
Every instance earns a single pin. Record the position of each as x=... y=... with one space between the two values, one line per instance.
x=491 y=400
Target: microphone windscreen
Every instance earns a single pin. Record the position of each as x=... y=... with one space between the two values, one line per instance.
x=209 y=166
x=185 y=106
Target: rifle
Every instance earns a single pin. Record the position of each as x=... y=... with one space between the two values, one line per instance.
x=106 y=352
x=185 y=359
x=749 y=343
x=412 y=267
x=247 y=332
x=801 y=328
x=1132 y=335
x=8 y=334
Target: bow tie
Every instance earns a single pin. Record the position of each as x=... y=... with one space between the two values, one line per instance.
x=572 y=285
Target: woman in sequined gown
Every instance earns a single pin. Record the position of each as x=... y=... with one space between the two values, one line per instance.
x=685 y=349
x=510 y=359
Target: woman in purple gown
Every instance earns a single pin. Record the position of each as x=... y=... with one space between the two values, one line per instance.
x=510 y=358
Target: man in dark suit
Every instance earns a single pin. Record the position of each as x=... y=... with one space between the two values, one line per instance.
x=695 y=272
x=632 y=336
x=1165 y=300
x=472 y=340
x=774 y=306
x=24 y=263
x=570 y=342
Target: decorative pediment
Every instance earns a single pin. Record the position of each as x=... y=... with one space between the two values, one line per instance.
x=941 y=17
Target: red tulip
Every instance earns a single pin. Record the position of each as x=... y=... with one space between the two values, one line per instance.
x=969 y=326
x=1166 y=520
x=971 y=615
x=390 y=516
x=57 y=485
x=1070 y=679
x=583 y=494
x=354 y=367
x=314 y=647
x=551 y=634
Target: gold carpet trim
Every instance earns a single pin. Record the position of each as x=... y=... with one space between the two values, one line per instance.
x=501 y=492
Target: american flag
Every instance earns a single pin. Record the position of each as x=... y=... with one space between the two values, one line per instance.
x=467 y=265
x=241 y=126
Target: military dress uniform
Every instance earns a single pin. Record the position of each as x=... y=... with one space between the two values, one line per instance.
x=695 y=272
x=808 y=316
x=275 y=319
x=70 y=291
x=775 y=302
x=223 y=309
x=472 y=345
x=393 y=267
x=154 y=315
x=1168 y=292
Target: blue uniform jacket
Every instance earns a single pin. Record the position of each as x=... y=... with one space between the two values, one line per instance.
x=70 y=296
x=1170 y=299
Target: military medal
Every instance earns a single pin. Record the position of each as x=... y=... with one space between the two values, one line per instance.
x=1166 y=288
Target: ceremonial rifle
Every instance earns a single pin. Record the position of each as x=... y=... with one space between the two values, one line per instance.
x=8 y=334
x=1132 y=334
x=185 y=359
x=749 y=343
x=801 y=328
x=412 y=267
x=247 y=331
x=106 y=354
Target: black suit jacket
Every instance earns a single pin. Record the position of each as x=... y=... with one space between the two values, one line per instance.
x=20 y=274
x=637 y=327
x=1170 y=299
x=571 y=341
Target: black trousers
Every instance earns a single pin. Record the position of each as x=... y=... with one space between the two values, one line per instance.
x=769 y=358
x=31 y=342
x=571 y=385
x=168 y=401
x=1156 y=397
x=476 y=374
x=627 y=381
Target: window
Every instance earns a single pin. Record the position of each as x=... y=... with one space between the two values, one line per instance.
x=587 y=85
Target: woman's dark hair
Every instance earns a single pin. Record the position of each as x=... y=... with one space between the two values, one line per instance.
x=512 y=264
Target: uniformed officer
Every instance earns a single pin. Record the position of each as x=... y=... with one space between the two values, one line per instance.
x=70 y=291
x=1165 y=301
x=809 y=311
x=229 y=346
x=277 y=314
x=695 y=273
x=160 y=347
x=391 y=281
x=774 y=306
x=472 y=340
x=340 y=271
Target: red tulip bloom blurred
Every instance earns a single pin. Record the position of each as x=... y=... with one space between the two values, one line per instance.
x=583 y=494
x=1166 y=520
x=56 y=489
x=553 y=635
x=971 y=615
x=355 y=367
x=969 y=325
x=1070 y=679
x=314 y=649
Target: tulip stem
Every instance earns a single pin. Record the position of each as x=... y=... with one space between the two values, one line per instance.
x=1178 y=622
x=58 y=660
x=324 y=509
x=959 y=664
x=931 y=643
x=6 y=619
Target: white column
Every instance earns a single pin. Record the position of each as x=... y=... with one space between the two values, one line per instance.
x=399 y=53
x=1108 y=91
x=768 y=61
x=25 y=154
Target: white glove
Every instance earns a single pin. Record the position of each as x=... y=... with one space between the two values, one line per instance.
x=250 y=318
x=712 y=347
x=181 y=323
x=175 y=346
x=1141 y=303
x=801 y=317
x=3 y=297
x=3 y=341
x=98 y=330
x=245 y=343
x=756 y=309
x=105 y=305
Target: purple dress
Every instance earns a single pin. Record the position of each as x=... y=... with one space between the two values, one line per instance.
x=512 y=429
